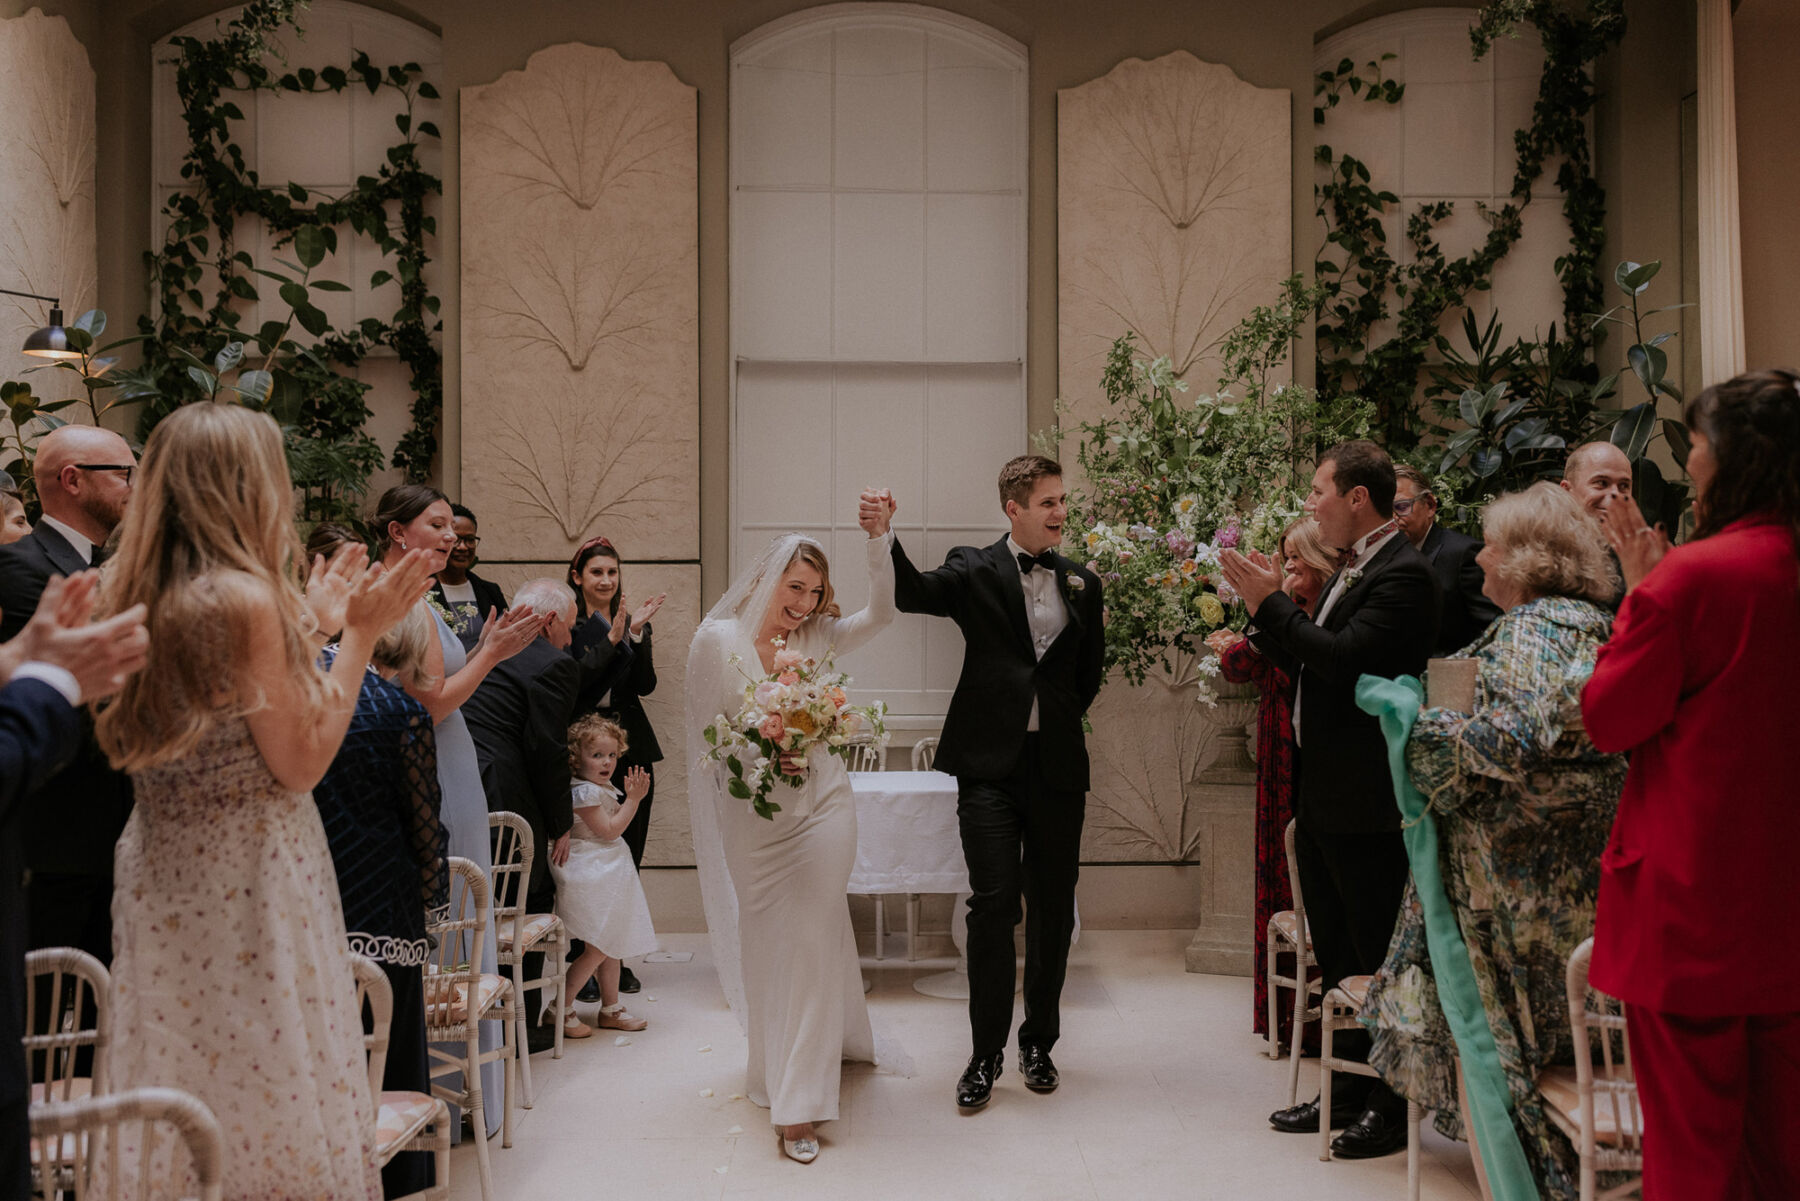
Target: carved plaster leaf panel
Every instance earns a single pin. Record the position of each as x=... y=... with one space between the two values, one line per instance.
x=47 y=236
x=671 y=842
x=580 y=306
x=1174 y=214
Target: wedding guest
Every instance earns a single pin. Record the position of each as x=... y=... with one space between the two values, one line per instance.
x=1699 y=922
x=418 y=517
x=1308 y=564
x=379 y=804
x=327 y=537
x=1597 y=474
x=1523 y=802
x=13 y=524
x=84 y=476
x=1464 y=611
x=595 y=575
x=59 y=660
x=461 y=592
x=519 y=719
x=228 y=924
x=1378 y=616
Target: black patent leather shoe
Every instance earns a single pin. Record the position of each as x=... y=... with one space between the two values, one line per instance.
x=590 y=992
x=1304 y=1119
x=1372 y=1135
x=1035 y=1066
x=627 y=981
x=977 y=1083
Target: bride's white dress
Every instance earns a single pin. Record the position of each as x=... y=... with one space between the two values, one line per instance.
x=801 y=991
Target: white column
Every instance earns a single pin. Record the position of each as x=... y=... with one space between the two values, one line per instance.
x=1721 y=259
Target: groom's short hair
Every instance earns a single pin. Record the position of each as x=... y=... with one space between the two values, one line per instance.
x=1021 y=475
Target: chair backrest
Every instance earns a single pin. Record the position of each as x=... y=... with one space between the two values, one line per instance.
x=62 y=986
x=73 y=1137
x=924 y=754
x=510 y=877
x=1293 y=870
x=1611 y=1097
x=866 y=754
x=374 y=990
x=456 y=960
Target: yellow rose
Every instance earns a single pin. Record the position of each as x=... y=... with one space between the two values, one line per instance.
x=1211 y=611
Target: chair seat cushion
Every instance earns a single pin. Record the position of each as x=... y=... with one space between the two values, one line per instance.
x=1561 y=1091
x=1356 y=988
x=1287 y=924
x=489 y=990
x=538 y=926
x=402 y=1116
x=79 y=1089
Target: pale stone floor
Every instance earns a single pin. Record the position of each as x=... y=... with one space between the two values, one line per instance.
x=1165 y=1094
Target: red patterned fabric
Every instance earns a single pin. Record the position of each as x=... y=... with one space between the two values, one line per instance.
x=1275 y=784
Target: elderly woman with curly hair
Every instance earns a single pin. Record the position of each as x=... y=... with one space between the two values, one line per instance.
x=1523 y=802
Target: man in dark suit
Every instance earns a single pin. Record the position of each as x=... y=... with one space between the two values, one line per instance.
x=1032 y=664
x=1464 y=610
x=45 y=673
x=519 y=718
x=70 y=826
x=1378 y=617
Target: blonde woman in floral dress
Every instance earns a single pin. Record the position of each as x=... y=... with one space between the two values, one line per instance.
x=1524 y=803
x=231 y=976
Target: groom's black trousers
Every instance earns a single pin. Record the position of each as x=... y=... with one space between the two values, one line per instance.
x=1021 y=838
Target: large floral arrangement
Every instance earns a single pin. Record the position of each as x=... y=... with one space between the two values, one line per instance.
x=1170 y=482
x=799 y=707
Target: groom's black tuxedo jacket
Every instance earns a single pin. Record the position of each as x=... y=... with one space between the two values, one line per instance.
x=1385 y=624
x=978 y=588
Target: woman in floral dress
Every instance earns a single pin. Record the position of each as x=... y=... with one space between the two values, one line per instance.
x=1524 y=803
x=1309 y=563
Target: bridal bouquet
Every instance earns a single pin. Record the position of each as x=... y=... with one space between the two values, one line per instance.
x=800 y=706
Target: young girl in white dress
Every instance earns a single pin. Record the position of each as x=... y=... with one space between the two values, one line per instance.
x=598 y=895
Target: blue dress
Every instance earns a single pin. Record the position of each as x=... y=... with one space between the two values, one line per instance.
x=465 y=816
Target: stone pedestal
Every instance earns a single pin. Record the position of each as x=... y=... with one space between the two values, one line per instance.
x=1222 y=798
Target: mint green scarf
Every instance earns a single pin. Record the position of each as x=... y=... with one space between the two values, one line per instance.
x=1396 y=703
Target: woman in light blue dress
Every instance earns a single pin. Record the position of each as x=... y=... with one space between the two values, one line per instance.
x=418 y=517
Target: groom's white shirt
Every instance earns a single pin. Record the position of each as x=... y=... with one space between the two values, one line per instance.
x=1044 y=612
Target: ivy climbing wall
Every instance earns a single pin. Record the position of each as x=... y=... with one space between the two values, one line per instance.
x=46 y=186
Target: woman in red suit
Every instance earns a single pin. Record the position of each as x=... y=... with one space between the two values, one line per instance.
x=1698 y=928
x=1308 y=563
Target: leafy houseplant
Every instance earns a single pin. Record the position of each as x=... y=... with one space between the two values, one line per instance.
x=1662 y=500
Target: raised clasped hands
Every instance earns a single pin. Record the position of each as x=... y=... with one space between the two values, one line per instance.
x=1639 y=546
x=506 y=634
x=381 y=596
x=100 y=655
x=875 y=511
x=1254 y=577
x=330 y=582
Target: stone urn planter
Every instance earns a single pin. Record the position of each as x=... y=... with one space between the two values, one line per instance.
x=1224 y=793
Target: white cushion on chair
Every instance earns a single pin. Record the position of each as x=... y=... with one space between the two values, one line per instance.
x=489 y=989
x=1287 y=924
x=1356 y=988
x=537 y=927
x=403 y=1115
x=1561 y=1091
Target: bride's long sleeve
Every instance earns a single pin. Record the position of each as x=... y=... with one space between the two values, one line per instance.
x=845 y=634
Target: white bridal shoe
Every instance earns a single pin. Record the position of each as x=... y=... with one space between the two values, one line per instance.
x=800 y=1150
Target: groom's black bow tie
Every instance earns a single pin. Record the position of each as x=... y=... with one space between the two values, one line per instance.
x=1046 y=560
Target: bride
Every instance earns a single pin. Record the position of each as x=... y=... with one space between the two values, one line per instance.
x=774 y=890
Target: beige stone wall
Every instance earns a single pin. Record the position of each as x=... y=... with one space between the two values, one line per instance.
x=1768 y=110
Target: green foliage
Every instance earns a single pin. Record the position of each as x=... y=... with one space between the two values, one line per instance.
x=323 y=408
x=1367 y=288
x=1168 y=482
x=1661 y=499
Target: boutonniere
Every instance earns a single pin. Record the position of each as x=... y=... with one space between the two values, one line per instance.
x=1075 y=584
x=1351 y=575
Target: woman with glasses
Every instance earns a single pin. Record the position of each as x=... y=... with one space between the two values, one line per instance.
x=618 y=671
x=458 y=590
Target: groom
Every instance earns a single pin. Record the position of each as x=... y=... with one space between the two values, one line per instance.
x=1032 y=632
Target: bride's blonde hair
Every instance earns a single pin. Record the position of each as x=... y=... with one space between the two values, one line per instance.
x=207 y=540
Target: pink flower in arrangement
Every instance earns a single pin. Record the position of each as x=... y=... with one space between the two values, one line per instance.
x=1228 y=537
x=786 y=658
x=772 y=727
x=1179 y=544
x=765 y=693
x=788 y=678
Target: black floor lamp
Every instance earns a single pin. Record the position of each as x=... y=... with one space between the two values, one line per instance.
x=51 y=341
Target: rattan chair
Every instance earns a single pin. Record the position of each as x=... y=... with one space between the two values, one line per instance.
x=924 y=754
x=1338 y=1011
x=68 y=983
x=459 y=996
x=404 y=1120
x=1288 y=932
x=866 y=754
x=520 y=933
x=1599 y=1113
x=71 y=1139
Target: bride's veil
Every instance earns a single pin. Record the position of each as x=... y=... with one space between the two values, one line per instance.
x=729 y=628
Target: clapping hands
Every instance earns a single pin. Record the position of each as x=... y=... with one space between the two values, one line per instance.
x=875 y=511
x=506 y=634
x=101 y=656
x=1254 y=577
x=1638 y=546
x=378 y=597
